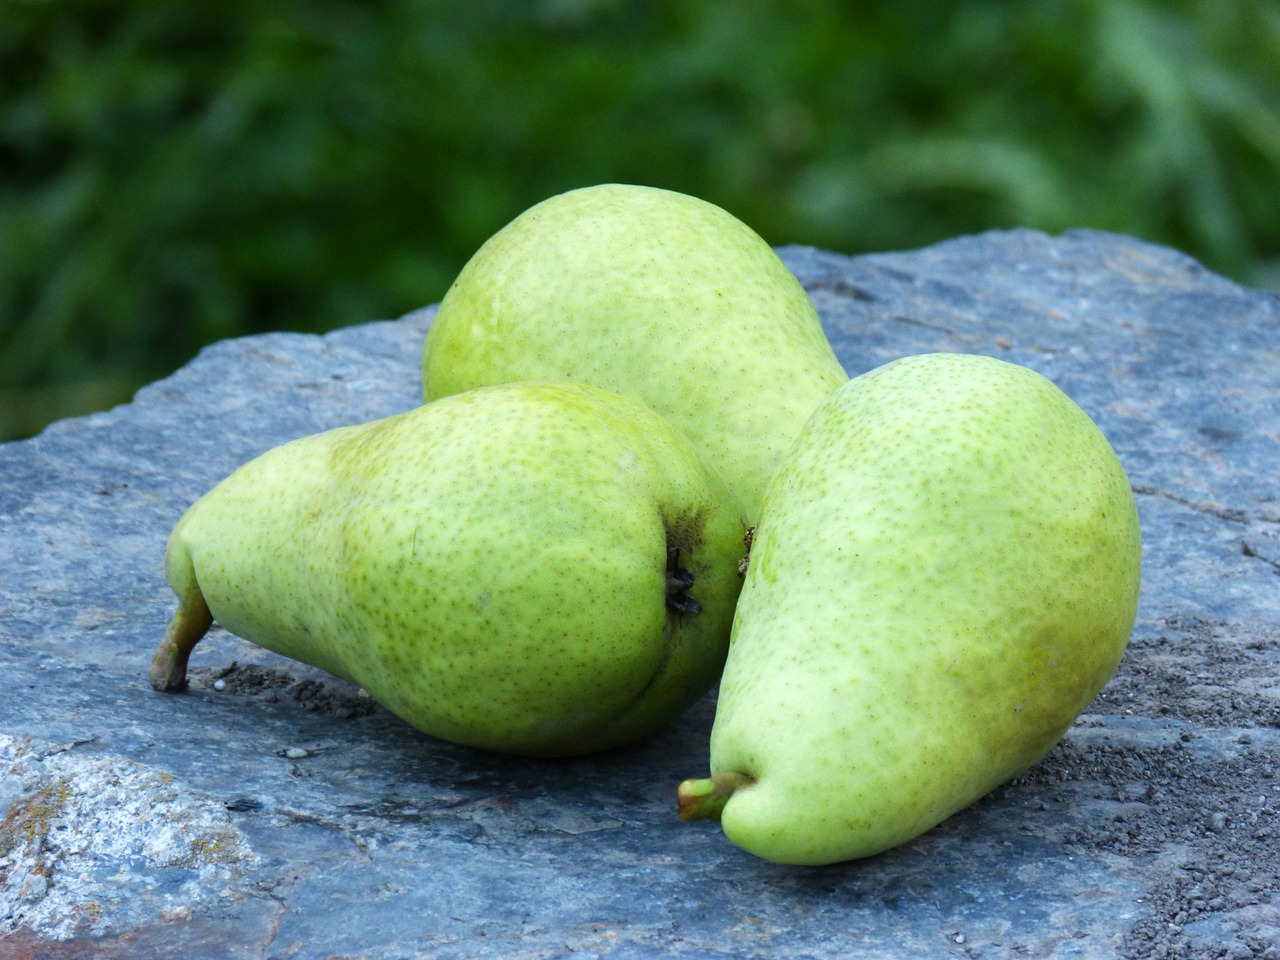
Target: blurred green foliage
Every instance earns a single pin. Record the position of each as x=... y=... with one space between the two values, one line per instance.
x=173 y=173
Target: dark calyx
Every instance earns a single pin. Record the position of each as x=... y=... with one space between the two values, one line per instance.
x=679 y=583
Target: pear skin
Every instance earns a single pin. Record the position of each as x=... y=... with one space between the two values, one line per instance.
x=945 y=573
x=657 y=295
x=544 y=569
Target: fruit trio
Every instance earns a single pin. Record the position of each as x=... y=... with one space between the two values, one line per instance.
x=545 y=557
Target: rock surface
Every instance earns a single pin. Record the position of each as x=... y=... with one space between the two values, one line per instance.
x=274 y=812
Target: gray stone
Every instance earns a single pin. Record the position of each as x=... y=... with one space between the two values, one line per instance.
x=273 y=811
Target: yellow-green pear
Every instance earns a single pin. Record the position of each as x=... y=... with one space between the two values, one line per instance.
x=657 y=295
x=544 y=569
x=945 y=573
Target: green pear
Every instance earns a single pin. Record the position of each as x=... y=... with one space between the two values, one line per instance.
x=543 y=569
x=945 y=573
x=658 y=295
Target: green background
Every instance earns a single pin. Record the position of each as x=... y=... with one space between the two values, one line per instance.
x=172 y=173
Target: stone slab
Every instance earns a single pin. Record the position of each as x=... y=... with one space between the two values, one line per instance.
x=275 y=812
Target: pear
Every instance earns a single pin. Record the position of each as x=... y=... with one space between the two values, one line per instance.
x=541 y=569
x=945 y=573
x=655 y=294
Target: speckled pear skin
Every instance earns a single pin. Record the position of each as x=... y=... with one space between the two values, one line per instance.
x=945 y=573
x=657 y=295
x=498 y=568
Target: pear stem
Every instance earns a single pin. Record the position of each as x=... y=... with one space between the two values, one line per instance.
x=191 y=622
x=747 y=538
x=704 y=799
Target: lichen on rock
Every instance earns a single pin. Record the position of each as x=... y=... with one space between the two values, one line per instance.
x=82 y=831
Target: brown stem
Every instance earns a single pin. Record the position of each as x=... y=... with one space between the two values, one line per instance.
x=169 y=665
x=704 y=799
x=747 y=538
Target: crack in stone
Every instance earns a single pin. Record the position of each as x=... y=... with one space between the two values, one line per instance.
x=278 y=915
x=1249 y=550
x=1230 y=514
x=925 y=324
x=841 y=288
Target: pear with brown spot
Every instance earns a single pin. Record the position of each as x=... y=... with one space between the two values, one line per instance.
x=544 y=569
x=945 y=573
